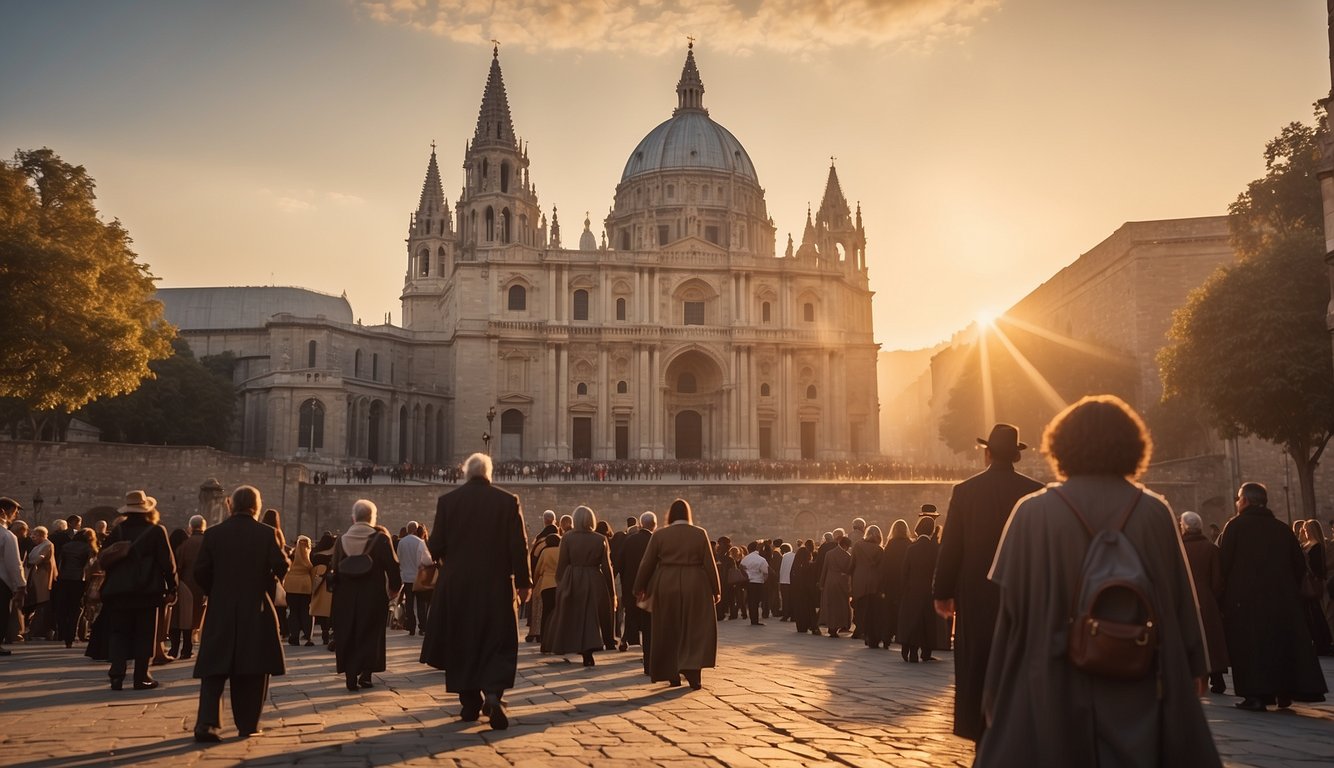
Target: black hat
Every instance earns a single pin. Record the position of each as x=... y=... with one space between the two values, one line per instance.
x=929 y=510
x=1004 y=440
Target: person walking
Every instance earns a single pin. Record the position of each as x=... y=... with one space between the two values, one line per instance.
x=638 y=621
x=917 y=620
x=364 y=575
x=864 y=571
x=585 y=591
x=411 y=555
x=480 y=543
x=136 y=586
x=756 y=567
x=1269 y=644
x=805 y=592
x=1041 y=708
x=978 y=510
x=1206 y=571
x=679 y=578
x=1312 y=542
x=298 y=584
x=836 y=587
x=71 y=584
x=187 y=554
x=240 y=643
x=891 y=579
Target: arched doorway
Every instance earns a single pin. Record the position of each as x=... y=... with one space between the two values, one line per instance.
x=689 y=435
x=511 y=434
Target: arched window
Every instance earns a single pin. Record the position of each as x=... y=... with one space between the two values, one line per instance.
x=310 y=426
x=490 y=224
x=810 y=392
x=504 y=225
x=765 y=312
x=518 y=298
x=764 y=390
x=620 y=309
x=486 y=169
x=504 y=177
x=622 y=388
x=311 y=348
x=424 y=263
x=356 y=365
x=581 y=390
x=808 y=312
x=686 y=384
x=581 y=304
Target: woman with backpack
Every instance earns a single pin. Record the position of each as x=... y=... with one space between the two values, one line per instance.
x=363 y=575
x=1098 y=657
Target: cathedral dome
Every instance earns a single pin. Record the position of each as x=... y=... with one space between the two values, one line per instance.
x=689 y=139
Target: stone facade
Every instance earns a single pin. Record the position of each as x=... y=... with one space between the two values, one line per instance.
x=687 y=336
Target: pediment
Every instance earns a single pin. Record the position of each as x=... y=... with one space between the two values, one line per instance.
x=694 y=243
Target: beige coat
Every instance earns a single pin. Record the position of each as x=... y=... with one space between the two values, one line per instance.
x=544 y=576
x=679 y=575
x=300 y=577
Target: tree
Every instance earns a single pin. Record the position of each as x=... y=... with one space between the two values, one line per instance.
x=80 y=319
x=1251 y=344
x=186 y=402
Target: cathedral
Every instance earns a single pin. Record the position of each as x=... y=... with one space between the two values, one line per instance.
x=679 y=332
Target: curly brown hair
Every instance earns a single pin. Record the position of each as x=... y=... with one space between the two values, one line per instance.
x=1099 y=435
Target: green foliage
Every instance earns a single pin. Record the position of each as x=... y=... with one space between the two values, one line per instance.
x=1072 y=371
x=1287 y=200
x=187 y=402
x=80 y=319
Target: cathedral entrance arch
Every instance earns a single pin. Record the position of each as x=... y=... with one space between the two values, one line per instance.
x=511 y=434
x=689 y=435
x=694 y=402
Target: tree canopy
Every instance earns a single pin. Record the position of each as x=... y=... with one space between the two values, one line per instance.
x=80 y=318
x=1251 y=343
x=188 y=401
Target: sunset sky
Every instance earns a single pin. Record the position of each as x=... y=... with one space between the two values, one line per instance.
x=989 y=142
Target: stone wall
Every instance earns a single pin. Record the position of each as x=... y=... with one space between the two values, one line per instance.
x=84 y=478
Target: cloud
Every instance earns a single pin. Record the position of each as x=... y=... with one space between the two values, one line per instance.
x=655 y=26
x=344 y=199
x=289 y=201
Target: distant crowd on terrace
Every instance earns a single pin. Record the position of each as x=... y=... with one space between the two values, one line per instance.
x=621 y=470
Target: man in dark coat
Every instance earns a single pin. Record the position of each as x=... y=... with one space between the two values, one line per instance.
x=479 y=540
x=617 y=539
x=1269 y=645
x=240 y=641
x=135 y=588
x=917 y=620
x=638 y=622
x=979 y=508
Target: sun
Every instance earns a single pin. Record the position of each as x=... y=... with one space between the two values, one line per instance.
x=986 y=318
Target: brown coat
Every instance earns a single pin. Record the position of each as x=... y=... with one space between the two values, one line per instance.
x=186 y=556
x=836 y=590
x=680 y=577
x=1206 y=569
x=865 y=568
x=584 y=594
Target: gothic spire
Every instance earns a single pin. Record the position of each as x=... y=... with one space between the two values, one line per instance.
x=833 y=211
x=555 y=229
x=433 y=192
x=808 y=236
x=690 y=89
x=494 y=126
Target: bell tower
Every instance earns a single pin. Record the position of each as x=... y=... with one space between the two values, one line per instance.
x=431 y=244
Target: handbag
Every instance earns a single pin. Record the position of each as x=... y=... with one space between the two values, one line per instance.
x=737 y=576
x=113 y=554
x=279 y=596
x=427 y=574
x=357 y=565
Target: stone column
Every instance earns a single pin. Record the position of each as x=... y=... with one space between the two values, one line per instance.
x=658 y=413
x=563 y=402
x=604 y=448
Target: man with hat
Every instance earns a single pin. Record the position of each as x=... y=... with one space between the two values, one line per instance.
x=978 y=511
x=135 y=587
x=13 y=585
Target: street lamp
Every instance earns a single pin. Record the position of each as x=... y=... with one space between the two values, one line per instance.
x=486 y=436
x=37 y=502
x=486 y=441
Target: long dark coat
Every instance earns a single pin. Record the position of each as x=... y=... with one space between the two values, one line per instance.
x=804 y=592
x=1206 y=570
x=836 y=589
x=150 y=542
x=1040 y=709
x=482 y=547
x=584 y=590
x=632 y=552
x=979 y=508
x=186 y=556
x=891 y=585
x=238 y=563
x=360 y=609
x=679 y=575
x=865 y=568
x=1268 y=641
x=917 y=617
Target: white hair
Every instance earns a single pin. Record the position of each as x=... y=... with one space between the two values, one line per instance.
x=477 y=465
x=364 y=511
x=584 y=519
x=839 y=533
x=413 y=526
x=828 y=536
x=61 y=525
x=198 y=523
x=859 y=524
x=549 y=516
x=1192 y=522
x=648 y=521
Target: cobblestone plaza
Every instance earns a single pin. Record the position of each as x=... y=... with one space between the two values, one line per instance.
x=777 y=699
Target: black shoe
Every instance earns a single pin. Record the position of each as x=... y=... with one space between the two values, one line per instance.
x=623 y=646
x=929 y=657
x=674 y=683
x=469 y=714
x=757 y=623
x=495 y=712
x=692 y=677
x=6 y=652
x=1284 y=702
x=117 y=683
x=309 y=643
x=1251 y=704
x=351 y=681
x=146 y=685
x=365 y=681
x=207 y=734
x=588 y=659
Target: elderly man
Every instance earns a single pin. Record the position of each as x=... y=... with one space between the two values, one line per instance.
x=187 y=554
x=241 y=642
x=1269 y=645
x=13 y=585
x=480 y=542
x=411 y=554
x=979 y=508
x=638 y=622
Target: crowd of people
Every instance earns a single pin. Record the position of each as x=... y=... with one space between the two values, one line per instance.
x=1086 y=619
